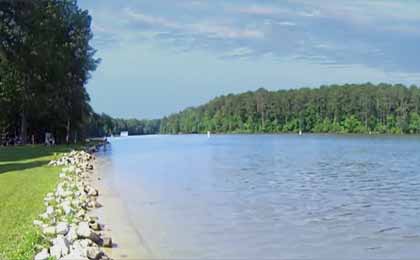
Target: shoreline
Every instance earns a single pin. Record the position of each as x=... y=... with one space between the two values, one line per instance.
x=69 y=228
x=128 y=242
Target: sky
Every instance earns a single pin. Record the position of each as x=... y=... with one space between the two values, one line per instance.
x=159 y=57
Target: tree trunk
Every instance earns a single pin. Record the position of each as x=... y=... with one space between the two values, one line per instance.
x=68 y=131
x=23 y=126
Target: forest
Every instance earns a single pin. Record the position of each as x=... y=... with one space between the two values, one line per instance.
x=45 y=62
x=105 y=125
x=350 y=108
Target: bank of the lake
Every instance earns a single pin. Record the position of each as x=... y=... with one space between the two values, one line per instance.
x=34 y=179
x=25 y=178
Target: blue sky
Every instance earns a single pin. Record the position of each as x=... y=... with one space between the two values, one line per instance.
x=161 y=56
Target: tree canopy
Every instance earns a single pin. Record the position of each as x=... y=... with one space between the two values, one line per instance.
x=349 y=108
x=105 y=125
x=45 y=61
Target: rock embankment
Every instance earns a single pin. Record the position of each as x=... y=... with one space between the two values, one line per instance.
x=71 y=233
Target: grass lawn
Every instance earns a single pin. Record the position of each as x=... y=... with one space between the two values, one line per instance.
x=25 y=179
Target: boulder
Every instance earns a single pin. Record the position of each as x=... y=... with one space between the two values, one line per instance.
x=67 y=208
x=94 y=225
x=72 y=234
x=74 y=256
x=84 y=231
x=38 y=223
x=43 y=216
x=50 y=210
x=43 y=255
x=94 y=253
x=62 y=228
x=79 y=248
x=107 y=242
x=49 y=231
x=60 y=247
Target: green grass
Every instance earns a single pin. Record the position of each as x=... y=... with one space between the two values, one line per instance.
x=25 y=179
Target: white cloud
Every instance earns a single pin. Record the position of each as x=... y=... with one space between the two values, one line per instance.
x=152 y=20
x=213 y=30
x=258 y=10
x=286 y=23
x=238 y=52
x=223 y=31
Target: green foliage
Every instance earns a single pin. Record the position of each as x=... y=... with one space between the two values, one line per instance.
x=350 y=108
x=45 y=62
x=104 y=125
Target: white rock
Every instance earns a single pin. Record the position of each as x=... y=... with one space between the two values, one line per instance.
x=43 y=216
x=55 y=252
x=94 y=252
x=83 y=230
x=43 y=255
x=62 y=228
x=67 y=208
x=50 y=210
x=79 y=248
x=74 y=256
x=50 y=230
x=38 y=223
x=72 y=235
x=60 y=247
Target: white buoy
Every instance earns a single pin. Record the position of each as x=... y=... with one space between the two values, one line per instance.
x=300 y=132
x=208 y=134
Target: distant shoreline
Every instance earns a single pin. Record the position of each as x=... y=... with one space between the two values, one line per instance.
x=288 y=133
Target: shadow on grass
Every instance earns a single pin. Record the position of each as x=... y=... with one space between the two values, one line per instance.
x=8 y=167
x=17 y=153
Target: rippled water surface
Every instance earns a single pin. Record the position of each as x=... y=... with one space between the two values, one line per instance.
x=271 y=196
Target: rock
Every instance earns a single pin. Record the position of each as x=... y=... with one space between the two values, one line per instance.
x=62 y=228
x=94 y=253
x=84 y=231
x=49 y=231
x=91 y=191
x=60 y=247
x=107 y=242
x=55 y=252
x=67 y=209
x=74 y=256
x=38 y=223
x=94 y=225
x=97 y=204
x=79 y=248
x=44 y=216
x=50 y=210
x=43 y=255
x=72 y=234
x=104 y=257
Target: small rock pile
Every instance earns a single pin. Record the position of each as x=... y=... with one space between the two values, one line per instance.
x=70 y=231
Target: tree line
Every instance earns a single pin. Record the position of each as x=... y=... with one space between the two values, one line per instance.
x=350 y=108
x=45 y=62
x=105 y=125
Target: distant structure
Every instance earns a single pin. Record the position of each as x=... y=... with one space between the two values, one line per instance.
x=208 y=134
x=300 y=132
x=124 y=133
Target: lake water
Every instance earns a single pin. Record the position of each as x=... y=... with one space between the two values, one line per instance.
x=271 y=196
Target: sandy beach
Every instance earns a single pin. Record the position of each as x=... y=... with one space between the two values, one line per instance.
x=127 y=240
